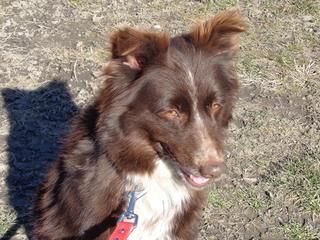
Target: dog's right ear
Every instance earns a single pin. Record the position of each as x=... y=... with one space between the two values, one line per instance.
x=138 y=49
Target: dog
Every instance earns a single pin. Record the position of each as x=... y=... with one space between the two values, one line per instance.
x=157 y=126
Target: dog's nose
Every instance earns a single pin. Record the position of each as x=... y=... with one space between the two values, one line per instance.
x=213 y=169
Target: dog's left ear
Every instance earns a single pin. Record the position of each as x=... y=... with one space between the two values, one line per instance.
x=220 y=33
x=138 y=49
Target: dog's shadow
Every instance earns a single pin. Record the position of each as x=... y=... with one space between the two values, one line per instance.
x=38 y=121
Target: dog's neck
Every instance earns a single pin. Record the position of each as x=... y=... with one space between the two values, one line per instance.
x=166 y=197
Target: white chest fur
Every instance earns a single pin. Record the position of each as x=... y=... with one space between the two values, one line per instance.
x=164 y=198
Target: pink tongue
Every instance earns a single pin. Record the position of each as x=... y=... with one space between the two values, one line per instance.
x=199 y=180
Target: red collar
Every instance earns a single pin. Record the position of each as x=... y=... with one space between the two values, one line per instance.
x=127 y=221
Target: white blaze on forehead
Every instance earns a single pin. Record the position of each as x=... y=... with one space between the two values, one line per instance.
x=191 y=78
x=192 y=86
x=207 y=148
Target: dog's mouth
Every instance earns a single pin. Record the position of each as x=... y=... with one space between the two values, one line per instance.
x=194 y=179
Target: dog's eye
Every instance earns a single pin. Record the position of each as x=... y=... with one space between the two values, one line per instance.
x=215 y=107
x=171 y=114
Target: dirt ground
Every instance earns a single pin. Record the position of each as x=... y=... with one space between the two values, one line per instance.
x=51 y=53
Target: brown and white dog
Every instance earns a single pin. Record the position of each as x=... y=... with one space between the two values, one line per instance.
x=157 y=125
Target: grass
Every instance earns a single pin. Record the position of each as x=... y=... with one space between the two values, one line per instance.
x=79 y=3
x=7 y=219
x=250 y=197
x=301 y=180
x=284 y=55
x=2 y=19
x=296 y=231
x=217 y=199
x=292 y=7
x=304 y=7
x=215 y=6
x=276 y=59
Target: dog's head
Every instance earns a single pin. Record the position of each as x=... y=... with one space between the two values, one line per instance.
x=171 y=98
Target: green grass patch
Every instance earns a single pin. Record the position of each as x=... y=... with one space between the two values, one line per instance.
x=295 y=231
x=79 y=3
x=211 y=238
x=216 y=198
x=304 y=7
x=293 y=7
x=215 y=6
x=248 y=64
x=2 y=19
x=301 y=179
x=285 y=55
x=249 y=196
x=310 y=39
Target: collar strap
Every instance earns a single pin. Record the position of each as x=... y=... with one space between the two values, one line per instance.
x=128 y=220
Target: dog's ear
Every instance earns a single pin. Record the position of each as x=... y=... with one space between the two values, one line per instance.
x=220 y=33
x=136 y=48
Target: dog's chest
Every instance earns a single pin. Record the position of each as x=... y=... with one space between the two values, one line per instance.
x=165 y=197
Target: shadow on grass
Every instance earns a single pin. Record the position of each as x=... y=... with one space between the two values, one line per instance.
x=38 y=120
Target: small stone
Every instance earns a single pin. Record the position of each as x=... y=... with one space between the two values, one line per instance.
x=79 y=44
x=157 y=26
x=96 y=19
x=307 y=18
x=251 y=181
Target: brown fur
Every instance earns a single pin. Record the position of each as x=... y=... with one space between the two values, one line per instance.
x=145 y=111
x=219 y=33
